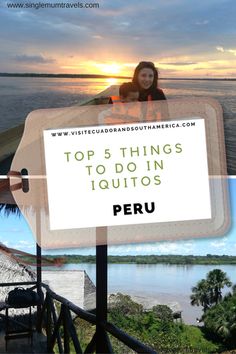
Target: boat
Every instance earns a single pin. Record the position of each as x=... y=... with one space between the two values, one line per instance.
x=10 y=139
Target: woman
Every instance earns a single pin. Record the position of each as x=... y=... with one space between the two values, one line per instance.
x=146 y=78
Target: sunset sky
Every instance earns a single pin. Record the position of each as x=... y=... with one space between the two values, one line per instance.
x=184 y=38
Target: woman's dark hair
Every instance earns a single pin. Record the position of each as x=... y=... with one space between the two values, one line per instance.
x=149 y=65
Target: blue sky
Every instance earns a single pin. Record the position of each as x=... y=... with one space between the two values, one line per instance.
x=15 y=233
x=182 y=37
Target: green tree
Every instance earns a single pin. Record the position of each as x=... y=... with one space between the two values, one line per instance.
x=220 y=320
x=208 y=292
x=201 y=295
x=124 y=304
x=155 y=328
x=217 y=280
x=163 y=312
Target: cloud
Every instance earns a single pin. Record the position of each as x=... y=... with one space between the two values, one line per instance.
x=182 y=247
x=180 y=63
x=33 y=59
x=5 y=243
x=11 y=230
x=223 y=50
x=220 y=49
x=96 y=36
x=233 y=51
x=219 y=244
x=201 y=23
x=20 y=245
x=23 y=242
x=175 y=247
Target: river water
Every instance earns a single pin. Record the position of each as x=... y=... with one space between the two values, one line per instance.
x=19 y=96
x=168 y=284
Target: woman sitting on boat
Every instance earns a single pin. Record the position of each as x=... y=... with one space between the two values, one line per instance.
x=146 y=79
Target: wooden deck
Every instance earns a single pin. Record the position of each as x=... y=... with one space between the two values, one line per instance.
x=23 y=345
x=17 y=320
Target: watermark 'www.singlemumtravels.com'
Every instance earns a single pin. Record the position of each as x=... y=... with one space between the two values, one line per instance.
x=52 y=5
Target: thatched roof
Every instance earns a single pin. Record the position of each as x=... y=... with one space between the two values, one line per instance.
x=76 y=286
x=12 y=271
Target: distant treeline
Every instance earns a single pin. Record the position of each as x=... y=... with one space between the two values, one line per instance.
x=95 y=76
x=152 y=259
x=73 y=76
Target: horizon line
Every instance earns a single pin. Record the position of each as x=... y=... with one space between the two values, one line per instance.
x=64 y=75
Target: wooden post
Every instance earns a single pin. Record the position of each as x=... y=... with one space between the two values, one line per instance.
x=66 y=332
x=102 y=340
x=39 y=268
x=48 y=324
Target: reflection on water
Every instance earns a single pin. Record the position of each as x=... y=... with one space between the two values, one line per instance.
x=27 y=85
x=19 y=96
x=112 y=81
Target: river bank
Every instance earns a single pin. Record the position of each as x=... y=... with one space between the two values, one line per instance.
x=151 y=259
x=77 y=287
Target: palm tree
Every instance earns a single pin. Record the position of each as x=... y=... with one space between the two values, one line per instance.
x=226 y=324
x=208 y=291
x=201 y=295
x=8 y=209
x=217 y=280
x=221 y=320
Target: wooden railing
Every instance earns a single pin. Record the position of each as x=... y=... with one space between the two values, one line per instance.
x=54 y=315
x=18 y=283
x=56 y=320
